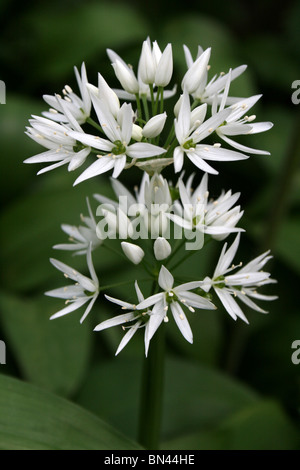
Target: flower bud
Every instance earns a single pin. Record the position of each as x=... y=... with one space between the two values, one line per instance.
x=193 y=77
x=147 y=66
x=162 y=248
x=126 y=77
x=133 y=252
x=154 y=126
x=164 y=69
x=137 y=133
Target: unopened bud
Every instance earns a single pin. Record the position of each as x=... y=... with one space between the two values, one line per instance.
x=162 y=248
x=133 y=252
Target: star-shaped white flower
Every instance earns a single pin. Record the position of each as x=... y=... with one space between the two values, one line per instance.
x=79 y=107
x=118 y=147
x=132 y=320
x=189 y=136
x=62 y=148
x=242 y=285
x=173 y=297
x=211 y=217
x=206 y=91
x=81 y=237
x=84 y=290
x=238 y=123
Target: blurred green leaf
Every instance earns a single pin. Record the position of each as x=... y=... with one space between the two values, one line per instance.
x=32 y=227
x=261 y=426
x=205 y=396
x=276 y=69
x=287 y=244
x=15 y=145
x=77 y=34
x=52 y=354
x=32 y=419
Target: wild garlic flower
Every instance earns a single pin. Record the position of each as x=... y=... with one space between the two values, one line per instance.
x=175 y=298
x=238 y=123
x=242 y=285
x=84 y=290
x=117 y=148
x=212 y=217
x=189 y=138
x=79 y=107
x=154 y=68
x=81 y=237
x=132 y=320
x=62 y=148
x=206 y=91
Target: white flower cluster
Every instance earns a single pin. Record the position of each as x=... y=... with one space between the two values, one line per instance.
x=112 y=130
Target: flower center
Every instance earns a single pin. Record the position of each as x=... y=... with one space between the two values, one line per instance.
x=119 y=148
x=171 y=297
x=189 y=144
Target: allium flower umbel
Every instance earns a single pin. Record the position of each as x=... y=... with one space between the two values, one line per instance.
x=105 y=130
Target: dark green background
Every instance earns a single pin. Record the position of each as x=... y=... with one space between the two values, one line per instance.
x=236 y=387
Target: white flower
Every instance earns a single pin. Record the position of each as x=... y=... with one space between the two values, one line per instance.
x=62 y=148
x=154 y=67
x=190 y=133
x=80 y=108
x=133 y=319
x=213 y=217
x=242 y=285
x=207 y=91
x=81 y=237
x=173 y=297
x=84 y=290
x=118 y=146
x=133 y=252
x=237 y=123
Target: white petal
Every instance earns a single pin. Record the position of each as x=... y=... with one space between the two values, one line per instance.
x=243 y=148
x=181 y=321
x=153 y=299
x=178 y=156
x=152 y=325
x=165 y=279
x=144 y=150
x=230 y=304
x=70 y=308
x=119 y=165
x=127 y=337
x=97 y=168
x=118 y=320
x=226 y=257
x=200 y=163
x=92 y=141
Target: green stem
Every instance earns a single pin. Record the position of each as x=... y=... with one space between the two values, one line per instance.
x=152 y=392
x=146 y=109
x=94 y=124
x=139 y=107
